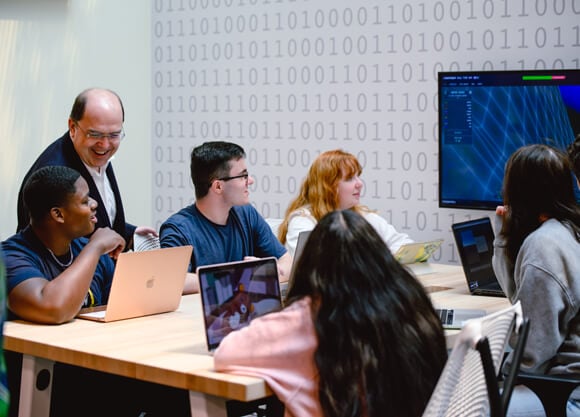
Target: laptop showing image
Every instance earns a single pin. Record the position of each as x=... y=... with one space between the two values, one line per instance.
x=144 y=283
x=474 y=240
x=235 y=293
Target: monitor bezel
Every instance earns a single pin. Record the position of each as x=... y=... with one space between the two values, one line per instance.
x=511 y=77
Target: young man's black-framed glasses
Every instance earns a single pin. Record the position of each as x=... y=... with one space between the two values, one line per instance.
x=245 y=176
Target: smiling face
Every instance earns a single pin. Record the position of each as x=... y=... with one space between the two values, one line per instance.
x=103 y=114
x=349 y=188
x=236 y=185
x=79 y=211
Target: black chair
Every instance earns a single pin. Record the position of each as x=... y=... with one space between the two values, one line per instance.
x=552 y=390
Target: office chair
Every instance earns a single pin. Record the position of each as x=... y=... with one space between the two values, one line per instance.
x=552 y=390
x=142 y=243
x=469 y=384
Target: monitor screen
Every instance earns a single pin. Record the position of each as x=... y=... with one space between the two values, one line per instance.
x=484 y=116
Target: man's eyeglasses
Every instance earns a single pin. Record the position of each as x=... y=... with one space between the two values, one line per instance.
x=94 y=135
x=244 y=176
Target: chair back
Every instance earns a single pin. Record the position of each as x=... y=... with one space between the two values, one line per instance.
x=468 y=385
x=143 y=243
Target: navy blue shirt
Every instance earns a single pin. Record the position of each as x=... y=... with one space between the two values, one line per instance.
x=246 y=233
x=26 y=257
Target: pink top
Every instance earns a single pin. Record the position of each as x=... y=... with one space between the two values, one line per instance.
x=279 y=348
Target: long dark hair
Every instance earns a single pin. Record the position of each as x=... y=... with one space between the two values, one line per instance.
x=379 y=339
x=538 y=184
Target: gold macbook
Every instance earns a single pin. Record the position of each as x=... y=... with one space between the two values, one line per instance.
x=144 y=283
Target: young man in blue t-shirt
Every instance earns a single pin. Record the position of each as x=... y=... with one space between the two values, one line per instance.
x=51 y=270
x=221 y=225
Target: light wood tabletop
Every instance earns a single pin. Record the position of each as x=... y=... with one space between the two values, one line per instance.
x=170 y=348
x=447 y=288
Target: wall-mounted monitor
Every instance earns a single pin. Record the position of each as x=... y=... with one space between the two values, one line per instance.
x=484 y=116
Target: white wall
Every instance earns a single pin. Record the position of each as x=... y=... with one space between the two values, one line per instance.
x=287 y=79
x=50 y=50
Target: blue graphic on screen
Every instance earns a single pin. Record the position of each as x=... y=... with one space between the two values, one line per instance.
x=485 y=117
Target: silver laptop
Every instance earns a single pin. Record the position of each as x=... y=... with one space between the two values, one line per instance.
x=302 y=238
x=455 y=318
x=234 y=293
x=474 y=241
x=144 y=283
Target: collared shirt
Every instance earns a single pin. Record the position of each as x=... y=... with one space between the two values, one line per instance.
x=105 y=189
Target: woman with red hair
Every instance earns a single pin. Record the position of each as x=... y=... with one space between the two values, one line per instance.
x=332 y=183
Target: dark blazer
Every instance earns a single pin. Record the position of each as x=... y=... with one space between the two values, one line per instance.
x=62 y=153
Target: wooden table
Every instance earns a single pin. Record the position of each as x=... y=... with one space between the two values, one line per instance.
x=170 y=349
x=447 y=288
x=167 y=349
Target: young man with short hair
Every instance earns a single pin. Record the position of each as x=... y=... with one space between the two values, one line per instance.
x=52 y=270
x=221 y=225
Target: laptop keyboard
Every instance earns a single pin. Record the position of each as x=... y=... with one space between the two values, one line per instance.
x=446 y=315
x=489 y=293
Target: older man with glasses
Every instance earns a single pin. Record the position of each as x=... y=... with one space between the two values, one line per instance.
x=222 y=225
x=95 y=131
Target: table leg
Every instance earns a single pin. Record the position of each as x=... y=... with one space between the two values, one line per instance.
x=203 y=405
x=35 y=387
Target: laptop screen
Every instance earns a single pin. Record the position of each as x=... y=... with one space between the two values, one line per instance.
x=474 y=239
x=236 y=292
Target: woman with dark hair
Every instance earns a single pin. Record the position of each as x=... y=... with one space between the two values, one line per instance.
x=537 y=257
x=358 y=335
x=332 y=183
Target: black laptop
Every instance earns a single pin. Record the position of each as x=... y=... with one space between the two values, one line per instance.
x=474 y=240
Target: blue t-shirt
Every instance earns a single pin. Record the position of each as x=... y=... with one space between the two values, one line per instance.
x=246 y=233
x=26 y=257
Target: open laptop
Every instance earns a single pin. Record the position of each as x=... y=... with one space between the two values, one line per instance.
x=455 y=318
x=474 y=240
x=302 y=238
x=144 y=283
x=234 y=293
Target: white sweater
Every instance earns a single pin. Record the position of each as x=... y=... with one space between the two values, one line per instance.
x=302 y=220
